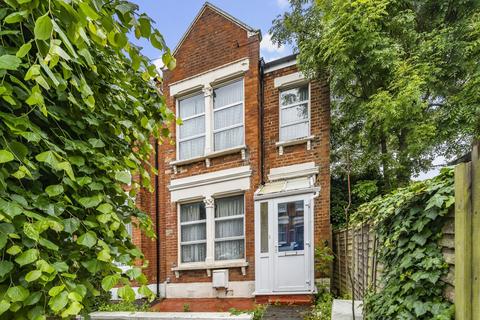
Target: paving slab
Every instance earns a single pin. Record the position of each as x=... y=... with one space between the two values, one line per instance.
x=342 y=310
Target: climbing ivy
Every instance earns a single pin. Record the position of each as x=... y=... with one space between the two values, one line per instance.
x=408 y=223
x=78 y=107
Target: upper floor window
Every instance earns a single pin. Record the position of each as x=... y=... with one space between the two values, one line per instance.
x=228 y=116
x=191 y=140
x=294 y=113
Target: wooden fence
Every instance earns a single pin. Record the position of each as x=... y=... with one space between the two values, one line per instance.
x=356 y=249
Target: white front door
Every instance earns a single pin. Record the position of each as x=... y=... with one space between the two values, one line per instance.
x=292 y=244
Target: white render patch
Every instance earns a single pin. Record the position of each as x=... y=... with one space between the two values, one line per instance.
x=289 y=80
x=236 y=289
x=209 y=78
x=169 y=316
x=210 y=184
x=294 y=171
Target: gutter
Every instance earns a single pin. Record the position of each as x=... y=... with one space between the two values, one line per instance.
x=157 y=219
x=262 y=144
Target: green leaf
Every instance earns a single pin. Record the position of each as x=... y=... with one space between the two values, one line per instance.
x=43 y=28
x=145 y=291
x=54 y=190
x=134 y=273
x=16 y=16
x=73 y=309
x=24 y=49
x=14 y=250
x=30 y=231
x=126 y=293
x=6 y=156
x=4 y=306
x=33 y=275
x=104 y=255
x=5 y=267
x=110 y=281
x=48 y=244
x=123 y=176
x=27 y=257
x=93 y=266
x=17 y=293
x=90 y=202
x=54 y=291
x=33 y=298
x=3 y=240
x=96 y=143
x=105 y=208
x=71 y=225
x=58 y=302
x=88 y=239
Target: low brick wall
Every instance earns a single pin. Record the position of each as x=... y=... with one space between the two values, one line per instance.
x=168 y=316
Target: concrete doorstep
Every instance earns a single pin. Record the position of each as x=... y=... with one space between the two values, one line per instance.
x=168 y=315
x=342 y=310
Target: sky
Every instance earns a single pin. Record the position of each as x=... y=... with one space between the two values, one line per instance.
x=172 y=19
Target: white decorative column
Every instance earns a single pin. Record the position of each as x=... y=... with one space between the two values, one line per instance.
x=207 y=92
x=210 y=215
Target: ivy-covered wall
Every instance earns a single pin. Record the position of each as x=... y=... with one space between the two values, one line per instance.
x=411 y=242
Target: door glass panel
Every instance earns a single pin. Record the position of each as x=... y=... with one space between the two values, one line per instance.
x=264 y=227
x=290 y=226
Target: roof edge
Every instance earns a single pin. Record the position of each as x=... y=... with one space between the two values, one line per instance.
x=225 y=14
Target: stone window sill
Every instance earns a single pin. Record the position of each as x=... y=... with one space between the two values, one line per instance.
x=282 y=144
x=242 y=149
x=242 y=264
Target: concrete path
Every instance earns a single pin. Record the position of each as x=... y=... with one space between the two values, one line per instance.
x=283 y=312
x=342 y=310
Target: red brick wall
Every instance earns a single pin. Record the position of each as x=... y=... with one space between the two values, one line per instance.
x=320 y=149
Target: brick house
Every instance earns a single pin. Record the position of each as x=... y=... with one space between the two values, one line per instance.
x=242 y=197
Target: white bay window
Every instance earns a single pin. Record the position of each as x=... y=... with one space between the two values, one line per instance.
x=294 y=113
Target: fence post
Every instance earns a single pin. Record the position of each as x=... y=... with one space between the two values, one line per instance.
x=475 y=185
x=463 y=242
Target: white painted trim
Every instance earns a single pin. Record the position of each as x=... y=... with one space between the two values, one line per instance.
x=236 y=289
x=281 y=66
x=293 y=171
x=291 y=79
x=210 y=178
x=221 y=73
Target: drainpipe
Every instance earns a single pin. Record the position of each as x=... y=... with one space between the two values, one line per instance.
x=261 y=138
x=157 y=220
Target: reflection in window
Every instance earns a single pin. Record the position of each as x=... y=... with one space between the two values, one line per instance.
x=264 y=227
x=193 y=237
x=290 y=226
x=294 y=117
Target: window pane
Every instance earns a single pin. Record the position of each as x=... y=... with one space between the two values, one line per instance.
x=191 y=106
x=228 y=250
x=294 y=95
x=229 y=228
x=228 y=94
x=264 y=227
x=295 y=131
x=194 y=232
x=192 y=127
x=228 y=117
x=194 y=252
x=295 y=113
x=290 y=226
x=231 y=206
x=192 y=212
x=228 y=139
x=191 y=148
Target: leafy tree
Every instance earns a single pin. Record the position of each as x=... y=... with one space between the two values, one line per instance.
x=404 y=76
x=78 y=108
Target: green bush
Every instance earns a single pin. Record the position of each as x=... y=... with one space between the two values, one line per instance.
x=322 y=310
x=125 y=306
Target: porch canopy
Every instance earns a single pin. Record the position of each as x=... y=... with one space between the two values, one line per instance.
x=286 y=187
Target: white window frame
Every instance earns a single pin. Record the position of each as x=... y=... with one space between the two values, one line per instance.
x=177 y=112
x=210 y=242
x=209 y=114
x=231 y=105
x=180 y=224
x=238 y=216
x=280 y=108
